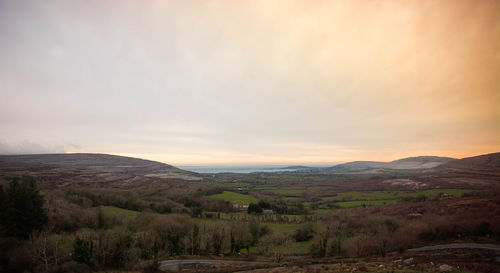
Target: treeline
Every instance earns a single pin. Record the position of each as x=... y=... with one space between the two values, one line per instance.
x=61 y=236
x=359 y=235
x=279 y=207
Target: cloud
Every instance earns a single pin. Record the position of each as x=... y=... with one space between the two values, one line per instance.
x=26 y=147
x=233 y=81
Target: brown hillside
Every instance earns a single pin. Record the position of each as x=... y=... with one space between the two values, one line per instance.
x=487 y=162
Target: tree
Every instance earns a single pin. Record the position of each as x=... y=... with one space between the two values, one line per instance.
x=22 y=209
x=305 y=233
x=275 y=244
x=265 y=205
x=320 y=243
x=239 y=237
x=254 y=209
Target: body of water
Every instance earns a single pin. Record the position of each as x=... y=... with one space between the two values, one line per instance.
x=247 y=168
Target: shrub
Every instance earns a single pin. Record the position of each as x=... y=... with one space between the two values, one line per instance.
x=254 y=209
x=305 y=233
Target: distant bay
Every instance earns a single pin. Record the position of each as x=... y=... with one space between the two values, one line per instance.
x=249 y=168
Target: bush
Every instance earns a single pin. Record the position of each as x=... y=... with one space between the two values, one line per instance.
x=254 y=209
x=265 y=205
x=305 y=233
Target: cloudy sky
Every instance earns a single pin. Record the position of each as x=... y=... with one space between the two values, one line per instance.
x=205 y=82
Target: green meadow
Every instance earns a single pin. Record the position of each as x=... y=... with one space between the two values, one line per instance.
x=235 y=198
x=128 y=213
x=386 y=195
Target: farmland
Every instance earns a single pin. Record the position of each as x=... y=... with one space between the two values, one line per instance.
x=234 y=197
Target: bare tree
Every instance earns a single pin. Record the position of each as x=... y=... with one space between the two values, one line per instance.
x=275 y=244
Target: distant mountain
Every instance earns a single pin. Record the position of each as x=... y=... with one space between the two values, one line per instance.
x=419 y=162
x=99 y=162
x=296 y=167
x=487 y=162
x=357 y=166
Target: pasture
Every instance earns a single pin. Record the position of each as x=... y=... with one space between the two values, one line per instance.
x=235 y=198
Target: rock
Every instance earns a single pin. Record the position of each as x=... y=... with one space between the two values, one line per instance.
x=408 y=261
x=398 y=261
x=445 y=268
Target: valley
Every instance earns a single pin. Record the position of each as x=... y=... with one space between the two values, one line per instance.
x=140 y=215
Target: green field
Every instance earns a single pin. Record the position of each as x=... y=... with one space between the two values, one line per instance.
x=290 y=191
x=292 y=198
x=228 y=184
x=235 y=198
x=276 y=226
x=359 y=203
x=283 y=227
x=386 y=195
x=128 y=213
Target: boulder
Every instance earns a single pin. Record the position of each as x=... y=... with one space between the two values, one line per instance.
x=409 y=261
x=445 y=268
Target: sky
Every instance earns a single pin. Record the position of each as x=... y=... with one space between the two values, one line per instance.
x=245 y=82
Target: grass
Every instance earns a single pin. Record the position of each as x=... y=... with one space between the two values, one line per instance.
x=235 y=198
x=386 y=195
x=359 y=203
x=128 y=213
x=292 y=198
x=322 y=211
x=301 y=247
x=283 y=227
x=289 y=228
x=291 y=191
x=228 y=184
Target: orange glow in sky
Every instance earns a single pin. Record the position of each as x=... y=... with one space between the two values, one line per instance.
x=218 y=82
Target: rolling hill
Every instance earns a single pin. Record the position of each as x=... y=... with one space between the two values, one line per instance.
x=100 y=162
x=419 y=162
x=487 y=162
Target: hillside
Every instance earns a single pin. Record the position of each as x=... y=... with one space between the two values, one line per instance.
x=100 y=162
x=419 y=162
x=487 y=162
x=357 y=166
